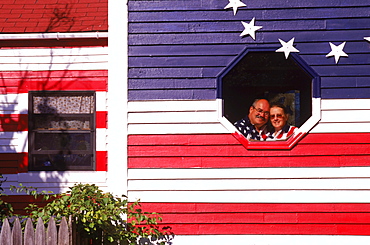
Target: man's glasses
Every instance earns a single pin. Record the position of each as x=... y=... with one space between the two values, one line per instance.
x=259 y=110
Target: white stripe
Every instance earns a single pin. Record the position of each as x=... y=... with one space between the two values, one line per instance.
x=14 y=103
x=53 y=52
x=340 y=116
x=173 y=117
x=345 y=104
x=18 y=103
x=270 y=240
x=54 y=181
x=101 y=101
x=250 y=184
x=342 y=128
x=54 y=59
x=283 y=196
x=249 y=173
x=234 y=185
x=13 y=142
x=57 y=35
x=180 y=128
x=17 y=142
x=55 y=67
x=172 y=105
x=195 y=117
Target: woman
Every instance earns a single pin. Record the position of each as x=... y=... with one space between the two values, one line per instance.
x=278 y=119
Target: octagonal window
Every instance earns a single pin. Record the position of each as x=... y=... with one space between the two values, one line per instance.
x=263 y=73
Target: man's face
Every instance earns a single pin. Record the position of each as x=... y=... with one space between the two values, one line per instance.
x=259 y=114
x=278 y=118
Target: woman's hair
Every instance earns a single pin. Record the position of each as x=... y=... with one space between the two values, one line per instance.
x=280 y=106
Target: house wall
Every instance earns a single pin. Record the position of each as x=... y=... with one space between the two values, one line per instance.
x=53 y=69
x=184 y=163
x=50 y=45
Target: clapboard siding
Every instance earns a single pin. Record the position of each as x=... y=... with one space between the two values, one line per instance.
x=332 y=12
x=212 y=49
x=234 y=26
x=198 y=39
x=190 y=116
x=217 y=5
x=183 y=160
x=262 y=37
x=51 y=69
x=265 y=218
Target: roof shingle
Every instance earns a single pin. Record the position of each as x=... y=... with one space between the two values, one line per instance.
x=40 y=16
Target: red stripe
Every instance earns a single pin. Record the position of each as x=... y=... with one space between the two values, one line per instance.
x=101 y=161
x=224 y=151
x=270 y=218
x=228 y=139
x=264 y=218
x=240 y=151
x=51 y=43
x=13 y=163
x=101 y=119
x=270 y=229
x=255 y=207
x=252 y=162
x=25 y=81
x=19 y=122
x=13 y=122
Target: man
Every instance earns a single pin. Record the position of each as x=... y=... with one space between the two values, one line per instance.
x=253 y=126
x=279 y=118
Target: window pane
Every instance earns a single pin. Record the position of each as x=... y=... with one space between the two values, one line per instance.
x=62 y=161
x=62 y=141
x=61 y=123
x=63 y=104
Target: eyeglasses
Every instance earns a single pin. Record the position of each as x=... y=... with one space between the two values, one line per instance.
x=259 y=110
x=276 y=115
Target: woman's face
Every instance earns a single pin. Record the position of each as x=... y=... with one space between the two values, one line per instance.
x=278 y=118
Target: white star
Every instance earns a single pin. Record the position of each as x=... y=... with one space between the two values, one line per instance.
x=235 y=4
x=287 y=47
x=337 y=51
x=250 y=29
x=367 y=38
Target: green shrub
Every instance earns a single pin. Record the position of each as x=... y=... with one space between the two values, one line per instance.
x=6 y=209
x=97 y=213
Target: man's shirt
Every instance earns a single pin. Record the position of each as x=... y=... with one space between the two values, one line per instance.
x=249 y=131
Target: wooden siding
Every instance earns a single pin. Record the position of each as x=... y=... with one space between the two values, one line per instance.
x=203 y=117
x=184 y=162
x=57 y=69
x=265 y=218
x=177 y=50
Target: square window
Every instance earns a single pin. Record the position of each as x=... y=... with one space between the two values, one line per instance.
x=61 y=130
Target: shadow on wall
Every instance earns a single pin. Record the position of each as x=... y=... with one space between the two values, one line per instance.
x=14 y=108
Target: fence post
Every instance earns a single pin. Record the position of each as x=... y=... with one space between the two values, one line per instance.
x=51 y=233
x=29 y=233
x=40 y=232
x=17 y=232
x=63 y=234
x=5 y=235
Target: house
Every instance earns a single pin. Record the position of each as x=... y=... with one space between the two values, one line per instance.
x=176 y=77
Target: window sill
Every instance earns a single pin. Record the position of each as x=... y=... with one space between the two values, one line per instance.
x=269 y=145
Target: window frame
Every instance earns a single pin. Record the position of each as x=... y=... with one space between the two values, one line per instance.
x=302 y=130
x=33 y=131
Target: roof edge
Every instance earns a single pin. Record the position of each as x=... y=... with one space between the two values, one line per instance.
x=56 y=35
